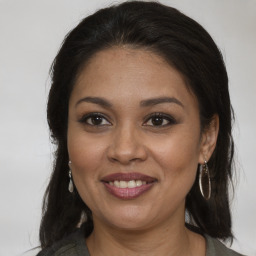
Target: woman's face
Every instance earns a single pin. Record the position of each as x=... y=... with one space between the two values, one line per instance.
x=133 y=139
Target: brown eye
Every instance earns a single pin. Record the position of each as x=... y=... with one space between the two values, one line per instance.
x=159 y=119
x=95 y=119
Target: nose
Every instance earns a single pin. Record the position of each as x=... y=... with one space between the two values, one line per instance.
x=127 y=146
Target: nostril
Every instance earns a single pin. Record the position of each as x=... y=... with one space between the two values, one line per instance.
x=124 y=159
x=126 y=148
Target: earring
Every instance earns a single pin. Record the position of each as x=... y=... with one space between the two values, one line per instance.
x=70 y=185
x=205 y=181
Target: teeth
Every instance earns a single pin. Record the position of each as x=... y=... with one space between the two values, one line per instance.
x=127 y=184
x=123 y=184
x=138 y=183
x=132 y=184
x=117 y=183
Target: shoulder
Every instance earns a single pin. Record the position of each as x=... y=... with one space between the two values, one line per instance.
x=72 y=245
x=216 y=248
x=31 y=252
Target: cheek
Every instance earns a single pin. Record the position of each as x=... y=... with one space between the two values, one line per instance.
x=85 y=153
x=177 y=157
x=178 y=153
x=86 y=156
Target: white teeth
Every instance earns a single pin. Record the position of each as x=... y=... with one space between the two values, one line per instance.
x=138 y=183
x=123 y=184
x=131 y=184
x=117 y=183
x=127 y=184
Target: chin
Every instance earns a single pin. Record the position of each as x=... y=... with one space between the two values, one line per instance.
x=129 y=218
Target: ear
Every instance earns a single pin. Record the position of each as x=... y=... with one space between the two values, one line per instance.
x=209 y=140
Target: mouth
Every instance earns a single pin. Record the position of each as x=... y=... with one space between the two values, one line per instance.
x=128 y=185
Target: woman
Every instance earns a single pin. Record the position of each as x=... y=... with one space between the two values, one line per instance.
x=140 y=113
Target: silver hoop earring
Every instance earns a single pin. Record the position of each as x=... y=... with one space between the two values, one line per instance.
x=205 y=181
x=70 y=185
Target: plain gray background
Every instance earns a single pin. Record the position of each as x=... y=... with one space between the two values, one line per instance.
x=30 y=35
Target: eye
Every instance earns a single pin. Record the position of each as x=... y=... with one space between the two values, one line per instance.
x=159 y=119
x=95 y=119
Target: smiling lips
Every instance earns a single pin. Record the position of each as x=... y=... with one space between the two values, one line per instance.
x=128 y=185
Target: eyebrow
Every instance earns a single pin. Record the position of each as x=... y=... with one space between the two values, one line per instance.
x=144 y=103
x=96 y=100
x=155 y=101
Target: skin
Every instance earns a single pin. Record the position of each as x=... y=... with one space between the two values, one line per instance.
x=127 y=140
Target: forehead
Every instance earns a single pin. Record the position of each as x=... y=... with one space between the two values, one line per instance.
x=129 y=73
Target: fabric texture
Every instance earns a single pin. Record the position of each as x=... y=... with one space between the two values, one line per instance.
x=215 y=248
x=74 y=245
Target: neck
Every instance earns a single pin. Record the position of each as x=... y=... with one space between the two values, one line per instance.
x=166 y=239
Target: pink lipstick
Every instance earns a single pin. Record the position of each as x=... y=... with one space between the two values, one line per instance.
x=128 y=185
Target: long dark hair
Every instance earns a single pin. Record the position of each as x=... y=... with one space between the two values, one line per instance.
x=186 y=46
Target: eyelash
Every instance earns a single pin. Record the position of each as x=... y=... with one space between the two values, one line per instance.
x=163 y=117
x=89 y=116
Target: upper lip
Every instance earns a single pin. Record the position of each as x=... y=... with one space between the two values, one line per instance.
x=127 y=177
